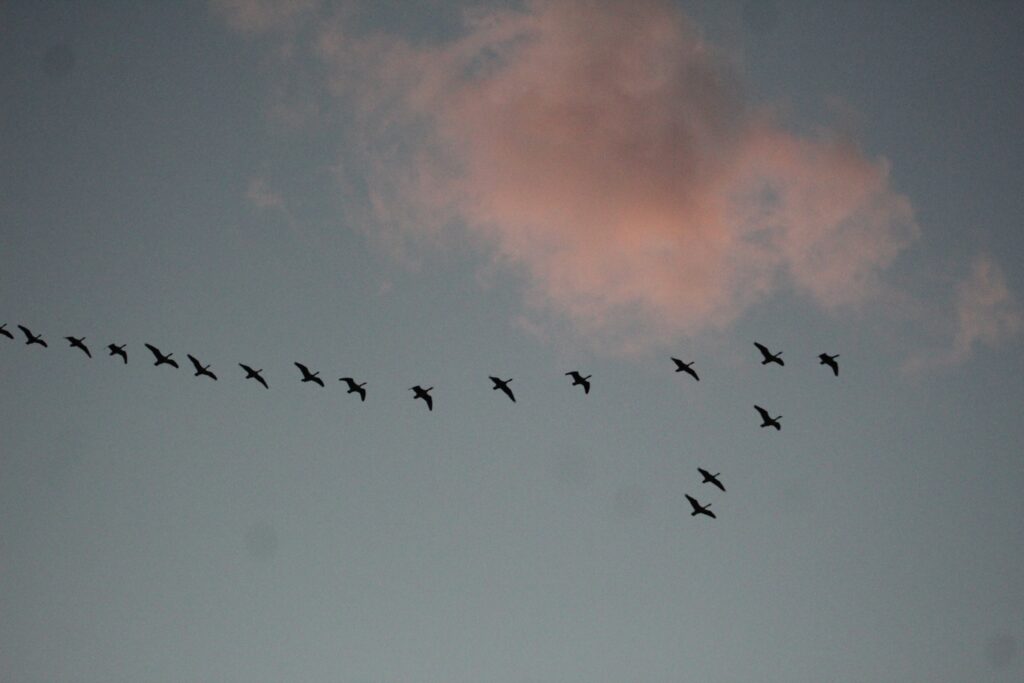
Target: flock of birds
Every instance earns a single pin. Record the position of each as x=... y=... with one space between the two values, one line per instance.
x=419 y=392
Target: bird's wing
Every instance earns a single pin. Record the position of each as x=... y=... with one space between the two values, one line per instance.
x=171 y=361
x=693 y=501
x=245 y=367
x=430 y=401
x=586 y=387
x=262 y=381
x=692 y=373
x=679 y=364
x=195 y=362
x=763 y=349
x=508 y=392
x=319 y=381
x=28 y=332
x=703 y=472
x=717 y=483
x=709 y=513
x=155 y=351
x=362 y=394
x=302 y=368
x=763 y=412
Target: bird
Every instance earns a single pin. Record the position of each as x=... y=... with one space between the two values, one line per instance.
x=354 y=388
x=503 y=385
x=768 y=420
x=5 y=332
x=769 y=357
x=79 y=343
x=254 y=374
x=825 y=359
x=424 y=394
x=308 y=376
x=161 y=359
x=699 y=509
x=578 y=379
x=200 y=369
x=685 y=367
x=118 y=351
x=32 y=338
x=710 y=478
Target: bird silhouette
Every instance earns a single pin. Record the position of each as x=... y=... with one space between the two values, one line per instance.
x=825 y=359
x=710 y=478
x=4 y=331
x=254 y=374
x=578 y=379
x=118 y=351
x=200 y=368
x=424 y=394
x=503 y=385
x=32 y=338
x=768 y=420
x=769 y=357
x=354 y=388
x=308 y=376
x=685 y=367
x=699 y=509
x=161 y=359
x=79 y=343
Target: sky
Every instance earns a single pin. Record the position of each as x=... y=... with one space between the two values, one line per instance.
x=433 y=193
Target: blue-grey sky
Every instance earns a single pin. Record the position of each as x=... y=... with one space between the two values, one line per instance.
x=432 y=193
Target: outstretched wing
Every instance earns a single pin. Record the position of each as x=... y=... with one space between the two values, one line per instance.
x=764 y=413
x=195 y=362
x=262 y=381
x=28 y=333
x=303 y=369
x=764 y=350
x=693 y=502
x=155 y=351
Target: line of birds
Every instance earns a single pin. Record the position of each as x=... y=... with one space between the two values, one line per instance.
x=419 y=392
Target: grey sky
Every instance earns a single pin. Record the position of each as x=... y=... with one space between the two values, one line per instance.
x=170 y=178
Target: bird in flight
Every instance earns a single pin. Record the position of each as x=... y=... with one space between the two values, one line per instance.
x=32 y=338
x=685 y=367
x=116 y=350
x=4 y=331
x=769 y=357
x=699 y=509
x=354 y=388
x=308 y=376
x=424 y=394
x=710 y=478
x=825 y=359
x=79 y=343
x=767 y=420
x=200 y=368
x=503 y=385
x=579 y=379
x=254 y=374
x=161 y=359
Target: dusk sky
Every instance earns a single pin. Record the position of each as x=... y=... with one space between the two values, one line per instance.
x=432 y=193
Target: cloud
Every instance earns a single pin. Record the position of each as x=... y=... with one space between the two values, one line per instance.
x=260 y=16
x=259 y=194
x=608 y=155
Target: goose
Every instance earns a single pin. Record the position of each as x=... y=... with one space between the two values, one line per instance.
x=161 y=359
x=503 y=385
x=769 y=357
x=200 y=368
x=685 y=367
x=768 y=420
x=424 y=394
x=825 y=359
x=578 y=379
x=254 y=374
x=116 y=350
x=32 y=338
x=79 y=343
x=354 y=388
x=308 y=376
x=699 y=509
x=710 y=478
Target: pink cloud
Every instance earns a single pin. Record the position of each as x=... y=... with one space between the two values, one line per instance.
x=606 y=152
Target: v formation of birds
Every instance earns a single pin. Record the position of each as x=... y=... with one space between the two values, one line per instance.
x=419 y=392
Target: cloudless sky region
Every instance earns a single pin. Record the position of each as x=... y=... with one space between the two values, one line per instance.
x=432 y=193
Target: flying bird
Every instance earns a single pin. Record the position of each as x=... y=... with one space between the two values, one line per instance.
x=5 y=332
x=161 y=359
x=699 y=509
x=354 y=388
x=32 y=338
x=710 y=478
x=254 y=374
x=424 y=394
x=578 y=379
x=685 y=367
x=825 y=359
x=308 y=376
x=503 y=385
x=118 y=351
x=79 y=343
x=769 y=357
x=767 y=420
x=200 y=368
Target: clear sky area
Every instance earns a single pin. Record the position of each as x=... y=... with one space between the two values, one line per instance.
x=434 y=193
